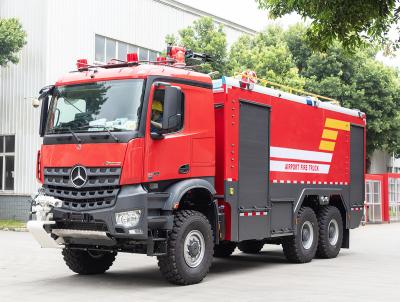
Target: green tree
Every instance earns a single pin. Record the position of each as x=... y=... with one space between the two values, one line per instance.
x=204 y=36
x=352 y=22
x=12 y=39
x=268 y=55
x=356 y=80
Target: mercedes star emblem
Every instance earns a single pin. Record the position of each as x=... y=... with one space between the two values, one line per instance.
x=78 y=176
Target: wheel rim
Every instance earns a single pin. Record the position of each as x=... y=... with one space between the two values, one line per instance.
x=333 y=232
x=194 y=248
x=307 y=235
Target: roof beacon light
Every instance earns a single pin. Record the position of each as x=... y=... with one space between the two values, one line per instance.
x=132 y=57
x=81 y=64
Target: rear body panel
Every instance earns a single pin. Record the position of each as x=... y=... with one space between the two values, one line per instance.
x=308 y=152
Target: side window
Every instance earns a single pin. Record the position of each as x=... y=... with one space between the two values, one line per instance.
x=157 y=110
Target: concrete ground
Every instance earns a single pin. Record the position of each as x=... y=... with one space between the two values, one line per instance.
x=369 y=271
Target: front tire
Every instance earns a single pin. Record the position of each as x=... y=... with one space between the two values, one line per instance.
x=88 y=262
x=224 y=249
x=251 y=246
x=190 y=249
x=302 y=247
x=330 y=232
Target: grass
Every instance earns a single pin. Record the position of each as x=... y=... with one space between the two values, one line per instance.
x=11 y=224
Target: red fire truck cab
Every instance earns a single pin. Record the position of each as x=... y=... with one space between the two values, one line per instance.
x=161 y=160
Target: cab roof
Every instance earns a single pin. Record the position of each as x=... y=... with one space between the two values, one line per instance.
x=96 y=74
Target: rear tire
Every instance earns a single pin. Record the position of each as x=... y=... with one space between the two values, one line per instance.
x=190 y=249
x=224 y=249
x=330 y=232
x=251 y=246
x=88 y=262
x=302 y=247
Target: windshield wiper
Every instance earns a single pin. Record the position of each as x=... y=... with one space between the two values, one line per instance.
x=55 y=130
x=101 y=127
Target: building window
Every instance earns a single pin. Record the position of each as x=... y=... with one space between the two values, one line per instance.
x=7 y=156
x=107 y=49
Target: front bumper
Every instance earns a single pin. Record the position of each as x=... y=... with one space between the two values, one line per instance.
x=132 y=197
x=98 y=227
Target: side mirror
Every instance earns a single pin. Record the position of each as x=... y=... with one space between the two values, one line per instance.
x=45 y=93
x=172 y=115
x=43 y=115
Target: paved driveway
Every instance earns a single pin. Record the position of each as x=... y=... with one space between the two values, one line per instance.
x=369 y=271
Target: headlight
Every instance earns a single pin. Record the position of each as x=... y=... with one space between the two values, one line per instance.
x=128 y=219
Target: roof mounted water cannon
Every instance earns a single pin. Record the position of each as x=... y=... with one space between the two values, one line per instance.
x=180 y=54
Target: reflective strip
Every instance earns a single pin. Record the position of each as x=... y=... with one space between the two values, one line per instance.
x=251 y=214
x=327 y=145
x=337 y=124
x=300 y=154
x=329 y=134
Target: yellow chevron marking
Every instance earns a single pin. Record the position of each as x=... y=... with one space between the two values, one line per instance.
x=327 y=146
x=337 y=124
x=330 y=134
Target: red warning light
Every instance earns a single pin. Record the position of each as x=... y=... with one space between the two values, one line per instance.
x=81 y=63
x=132 y=57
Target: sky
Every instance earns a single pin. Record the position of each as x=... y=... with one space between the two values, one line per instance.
x=246 y=12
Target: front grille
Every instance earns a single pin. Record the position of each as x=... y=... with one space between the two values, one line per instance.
x=100 y=190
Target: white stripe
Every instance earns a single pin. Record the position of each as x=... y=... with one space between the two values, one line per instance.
x=282 y=181
x=274 y=181
x=295 y=181
x=297 y=167
x=288 y=181
x=300 y=154
x=302 y=182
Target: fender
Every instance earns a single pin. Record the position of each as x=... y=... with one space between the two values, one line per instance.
x=177 y=190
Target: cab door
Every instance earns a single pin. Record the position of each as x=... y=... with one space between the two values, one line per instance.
x=167 y=157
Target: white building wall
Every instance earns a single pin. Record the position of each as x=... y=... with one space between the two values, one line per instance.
x=60 y=32
x=18 y=84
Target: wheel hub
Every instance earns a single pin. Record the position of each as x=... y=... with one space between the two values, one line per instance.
x=333 y=232
x=194 y=248
x=307 y=235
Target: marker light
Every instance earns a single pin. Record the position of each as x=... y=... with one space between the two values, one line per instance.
x=128 y=219
x=81 y=63
x=132 y=57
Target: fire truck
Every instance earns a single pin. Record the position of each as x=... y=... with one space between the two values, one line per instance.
x=158 y=159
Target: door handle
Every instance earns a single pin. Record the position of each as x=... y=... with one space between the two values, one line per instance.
x=184 y=169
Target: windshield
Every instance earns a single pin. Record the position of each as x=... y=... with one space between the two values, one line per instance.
x=111 y=105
